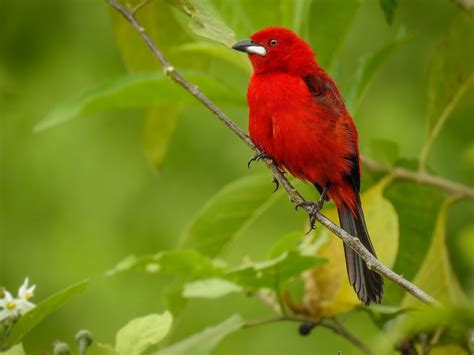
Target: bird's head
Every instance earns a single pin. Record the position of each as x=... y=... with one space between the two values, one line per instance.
x=277 y=49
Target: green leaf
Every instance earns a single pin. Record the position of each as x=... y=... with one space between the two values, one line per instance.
x=381 y=314
x=141 y=333
x=188 y=263
x=329 y=25
x=295 y=15
x=134 y=91
x=450 y=74
x=174 y=299
x=15 y=350
x=204 y=20
x=288 y=242
x=107 y=349
x=466 y=246
x=389 y=7
x=160 y=125
x=435 y=275
x=306 y=245
x=204 y=342
x=369 y=64
x=210 y=288
x=451 y=70
x=216 y=51
x=416 y=206
x=232 y=209
x=455 y=321
x=385 y=151
x=249 y=16
x=273 y=272
x=42 y=310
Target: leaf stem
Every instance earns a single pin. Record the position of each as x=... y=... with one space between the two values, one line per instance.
x=293 y=194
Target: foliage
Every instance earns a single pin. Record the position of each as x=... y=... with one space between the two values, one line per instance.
x=224 y=216
x=237 y=243
x=389 y=7
x=141 y=333
x=27 y=322
x=204 y=342
x=451 y=74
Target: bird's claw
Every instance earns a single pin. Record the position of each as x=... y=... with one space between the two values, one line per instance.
x=257 y=157
x=276 y=182
x=312 y=208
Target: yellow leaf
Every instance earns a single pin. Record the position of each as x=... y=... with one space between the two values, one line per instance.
x=327 y=289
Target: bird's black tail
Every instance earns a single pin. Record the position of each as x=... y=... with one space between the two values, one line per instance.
x=367 y=284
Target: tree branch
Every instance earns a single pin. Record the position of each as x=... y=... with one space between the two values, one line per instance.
x=422 y=177
x=331 y=324
x=294 y=196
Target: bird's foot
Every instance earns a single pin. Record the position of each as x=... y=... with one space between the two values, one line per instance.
x=312 y=208
x=257 y=157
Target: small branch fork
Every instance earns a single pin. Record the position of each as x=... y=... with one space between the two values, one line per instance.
x=422 y=177
x=294 y=196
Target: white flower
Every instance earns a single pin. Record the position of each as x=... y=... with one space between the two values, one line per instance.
x=25 y=293
x=15 y=307
x=10 y=307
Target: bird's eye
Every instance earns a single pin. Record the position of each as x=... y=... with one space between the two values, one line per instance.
x=273 y=42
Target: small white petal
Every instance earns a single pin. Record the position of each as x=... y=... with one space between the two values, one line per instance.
x=260 y=50
x=23 y=288
x=7 y=297
x=24 y=306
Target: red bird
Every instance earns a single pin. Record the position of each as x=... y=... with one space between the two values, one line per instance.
x=298 y=117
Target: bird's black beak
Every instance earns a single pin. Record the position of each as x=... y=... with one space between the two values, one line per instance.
x=249 y=46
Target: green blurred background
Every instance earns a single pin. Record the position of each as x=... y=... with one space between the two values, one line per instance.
x=78 y=198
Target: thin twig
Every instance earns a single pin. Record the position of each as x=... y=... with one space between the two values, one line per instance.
x=138 y=7
x=256 y=323
x=338 y=328
x=333 y=325
x=293 y=194
x=422 y=177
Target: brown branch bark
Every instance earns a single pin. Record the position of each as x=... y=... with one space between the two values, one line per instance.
x=293 y=194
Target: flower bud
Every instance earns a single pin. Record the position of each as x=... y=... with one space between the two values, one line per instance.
x=61 y=348
x=84 y=340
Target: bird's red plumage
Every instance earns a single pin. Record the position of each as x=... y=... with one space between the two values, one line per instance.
x=313 y=139
x=298 y=116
